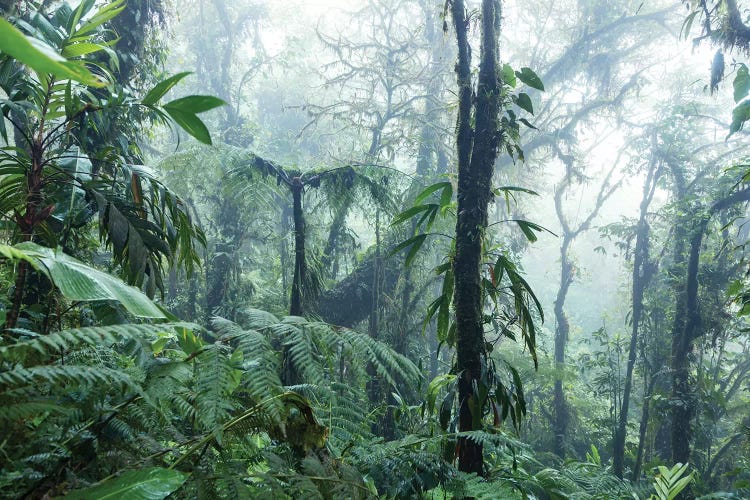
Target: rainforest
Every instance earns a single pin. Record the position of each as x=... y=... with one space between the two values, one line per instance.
x=354 y=249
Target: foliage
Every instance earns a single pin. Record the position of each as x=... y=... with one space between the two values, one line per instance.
x=670 y=482
x=59 y=174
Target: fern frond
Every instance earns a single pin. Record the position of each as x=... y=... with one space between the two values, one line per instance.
x=19 y=379
x=12 y=412
x=215 y=381
x=258 y=319
x=67 y=340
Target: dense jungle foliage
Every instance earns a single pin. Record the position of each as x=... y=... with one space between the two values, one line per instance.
x=374 y=249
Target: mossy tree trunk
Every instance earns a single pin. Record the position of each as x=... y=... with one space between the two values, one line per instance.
x=477 y=152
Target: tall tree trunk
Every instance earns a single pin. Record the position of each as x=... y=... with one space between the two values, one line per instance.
x=683 y=404
x=298 y=217
x=642 y=272
x=567 y=275
x=476 y=159
x=562 y=331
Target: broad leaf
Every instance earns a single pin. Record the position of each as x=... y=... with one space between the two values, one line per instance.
x=153 y=483
x=741 y=83
x=194 y=104
x=527 y=76
x=524 y=102
x=79 y=282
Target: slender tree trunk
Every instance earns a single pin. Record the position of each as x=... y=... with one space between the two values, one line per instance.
x=475 y=168
x=217 y=278
x=562 y=331
x=34 y=214
x=642 y=272
x=682 y=400
x=643 y=428
x=296 y=308
x=567 y=275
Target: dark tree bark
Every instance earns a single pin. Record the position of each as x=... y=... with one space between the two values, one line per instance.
x=683 y=405
x=477 y=152
x=217 y=279
x=300 y=268
x=642 y=272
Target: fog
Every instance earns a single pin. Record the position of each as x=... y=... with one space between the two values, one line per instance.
x=403 y=283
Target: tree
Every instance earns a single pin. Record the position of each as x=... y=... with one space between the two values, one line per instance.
x=643 y=270
x=567 y=276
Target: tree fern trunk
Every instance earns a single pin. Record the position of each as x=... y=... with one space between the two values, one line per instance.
x=296 y=307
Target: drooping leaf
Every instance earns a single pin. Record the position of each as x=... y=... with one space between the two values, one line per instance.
x=741 y=83
x=191 y=124
x=80 y=282
x=414 y=244
x=524 y=102
x=530 y=78
x=740 y=114
x=153 y=483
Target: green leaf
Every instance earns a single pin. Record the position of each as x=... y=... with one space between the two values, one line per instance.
x=411 y=212
x=105 y=14
x=191 y=124
x=79 y=282
x=162 y=88
x=41 y=57
x=434 y=388
x=415 y=243
x=528 y=229
x=740 y=114
x=741 y=83
x=153 y=483
x=687 y=24
x=509 y=77
x=527 y=123
x=194 y=104
x=444 y=186
x=81 y=49
x=527 y=76
x=524 y=102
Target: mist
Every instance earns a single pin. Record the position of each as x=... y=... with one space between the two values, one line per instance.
x=375 y=248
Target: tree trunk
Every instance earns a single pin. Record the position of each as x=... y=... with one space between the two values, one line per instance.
x=34 y=214
x=642 y=272
x=298 y=217
x=476 y=161
x=643 y=428
x=562 y=331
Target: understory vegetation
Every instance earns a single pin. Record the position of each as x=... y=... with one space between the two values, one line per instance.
x=374 y=249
